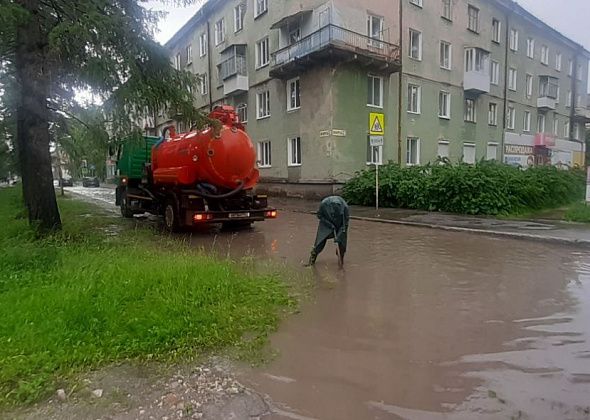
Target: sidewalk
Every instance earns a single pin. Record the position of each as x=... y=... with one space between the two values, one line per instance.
x=540 y=230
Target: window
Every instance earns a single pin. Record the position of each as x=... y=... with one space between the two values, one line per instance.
x=579 y=101
x=495 y=73
x=444 y=104
x=570 y=67
x=445 y=55
x=477 y=60
x=239 y=13
x=529 y=85
x=204 y=84
x=203 y=44
x=510 y=117
x=492 y=151
x=263 y=104
x=473 y=13
x=375 y=28
x=262 y=53
x=177 y=61
x=496 y=30
x=260 y=7
x=263 y=150
x=294 y=151
x=526 y=124
x=469 y=153
x=493 y=114
x=293 y=95
x=555 y=126
x=242 y=110
x=541 y=123
x=414 y=99
x=512 y=77
x=443 y=149
x=579 y=72
x=569 y=99
x=558 y=61
x=294 y=35
x=415 y=44
x=513 y=39
x=374 y=153
x=416 y=2
x=375 y=91
x=447 y=9
x=219 y=31
x=189 y=54
x=413 y=151
x=566 y=129
x=577 y=131
x=530 y=48
x=557 y=94
x=470 y=112
x=545 y=55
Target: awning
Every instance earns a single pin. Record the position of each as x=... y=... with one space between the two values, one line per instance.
x=291 y=18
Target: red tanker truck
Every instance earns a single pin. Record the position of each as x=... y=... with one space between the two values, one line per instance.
x=194 y=178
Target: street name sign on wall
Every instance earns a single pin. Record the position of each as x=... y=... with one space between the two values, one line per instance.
x=376 y=124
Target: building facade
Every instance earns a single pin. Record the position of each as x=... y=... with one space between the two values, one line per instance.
x=327 y=87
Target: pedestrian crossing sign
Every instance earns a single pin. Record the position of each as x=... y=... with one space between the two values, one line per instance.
x=376 y=124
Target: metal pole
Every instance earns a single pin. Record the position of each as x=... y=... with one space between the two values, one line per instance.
x=377 y=187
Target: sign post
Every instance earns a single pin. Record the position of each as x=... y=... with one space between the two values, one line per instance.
x=376 y=133
x=588 y=185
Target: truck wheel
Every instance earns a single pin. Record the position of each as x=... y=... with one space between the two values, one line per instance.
x=171 y=216
x=125 y=210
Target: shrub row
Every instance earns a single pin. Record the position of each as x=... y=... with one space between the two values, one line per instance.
x=487 y=188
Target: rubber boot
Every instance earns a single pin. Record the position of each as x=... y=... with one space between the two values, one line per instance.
x=312 y=258
x=340 y=255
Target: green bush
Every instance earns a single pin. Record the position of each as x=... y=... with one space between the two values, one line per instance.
x=487 y=187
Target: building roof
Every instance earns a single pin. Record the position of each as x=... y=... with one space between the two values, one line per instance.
x=201 y=15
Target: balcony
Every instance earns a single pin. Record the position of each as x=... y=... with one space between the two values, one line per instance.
x=548 y=88
x=476 y=78
x=545 y=103
x=233 y=71
x=582 y=114
x=335 y=43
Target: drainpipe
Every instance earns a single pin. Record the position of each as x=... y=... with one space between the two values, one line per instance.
x=505 y=110
x=209 y=53
x=574 y=96
x=399 y=85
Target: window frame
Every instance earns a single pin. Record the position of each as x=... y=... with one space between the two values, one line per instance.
x=242 y=108
x=189 y=54
x=266 y=99
x=410 y=139
x=381 y=86
x=513 y=41
x=469 y=145
x=449 y=59
x=447 y=104
x=541 y=127
x=203 y=44
x=558 y=59
x=529 y=85
x=239 y=17
x=264 y=154
x=493 y=122
x=471 y=8
x=545 y=54
x=298 y=153
x=494 y=145
x=447 y=6
x=512 y=79
x=470 y=112
x=530 y=48
x=257 y=12
x=526 y=122
x=261 y=52
x=297 y=83
x=418 y=104
x=445 y=143
x=220 y=32
x=416 y=3
x=511 y=117
x=204 y=84
x=496 y=31
x=411 y=44
x=495 y=65
x=177 y=61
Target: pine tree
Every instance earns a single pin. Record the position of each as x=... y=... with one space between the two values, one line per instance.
x=53 y=48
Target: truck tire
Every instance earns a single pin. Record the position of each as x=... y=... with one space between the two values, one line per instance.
x=125 y=210
x=171 y=216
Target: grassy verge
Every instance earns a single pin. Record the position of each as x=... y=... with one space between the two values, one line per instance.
x=579 y=212
x=85 y=298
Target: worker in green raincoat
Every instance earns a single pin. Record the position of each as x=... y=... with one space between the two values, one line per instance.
x=334 y=215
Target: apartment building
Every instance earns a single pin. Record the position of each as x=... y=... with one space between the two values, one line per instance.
x=327 y=87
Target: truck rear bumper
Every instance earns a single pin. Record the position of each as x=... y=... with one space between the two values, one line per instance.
x=193 y=218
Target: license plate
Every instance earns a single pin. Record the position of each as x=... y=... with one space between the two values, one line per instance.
x=239 y=215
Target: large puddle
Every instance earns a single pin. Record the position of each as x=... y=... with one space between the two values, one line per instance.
x=427 y=324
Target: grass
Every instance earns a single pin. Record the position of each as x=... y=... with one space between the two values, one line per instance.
x=83 y=298
x=579 y=212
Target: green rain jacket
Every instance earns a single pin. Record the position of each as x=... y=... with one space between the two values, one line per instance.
x=334 y=215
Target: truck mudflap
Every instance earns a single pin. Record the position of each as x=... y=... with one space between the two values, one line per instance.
x=204 y=217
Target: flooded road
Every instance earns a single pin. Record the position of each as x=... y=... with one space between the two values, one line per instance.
x=425 y=324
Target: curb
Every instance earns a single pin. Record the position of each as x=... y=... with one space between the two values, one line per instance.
x=501 y=234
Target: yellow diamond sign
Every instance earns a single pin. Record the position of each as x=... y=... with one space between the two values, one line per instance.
x=376 y=124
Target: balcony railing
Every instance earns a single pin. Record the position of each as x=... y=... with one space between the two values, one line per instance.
x=332 y=35
x=235 y=65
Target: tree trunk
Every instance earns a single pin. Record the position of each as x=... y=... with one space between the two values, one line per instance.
x=33 y=120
